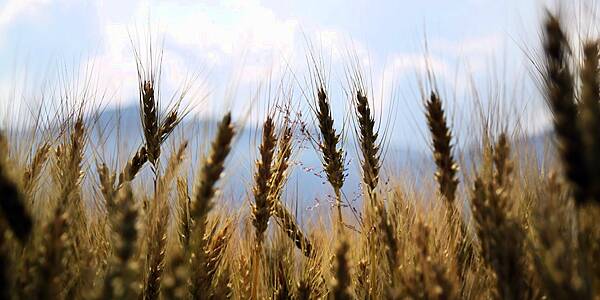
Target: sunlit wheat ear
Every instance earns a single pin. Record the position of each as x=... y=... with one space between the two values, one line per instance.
x=281 y=164
x=212 y=167
x=446 y=177
x=168 y=125
x=261 y=209
x=387 y=231
x=244 y=284
x=590 y=113
x=292 y=229
x=156 y=224
x=501 y=234
x=284 y=218
x=333 y=157
x=12 y=207
x=370 y=164
x=69 y=162
x=71 y=174
x=215 y=250
x=560 y=95
x=368 y=142
x=183 y=208
x=68 y=171
x=439 y=285
x=204 y=191
x=149 y=117
x=442 y=148
x=133 y=166
x=65 y=233
x=107 y=182
x=311 y=284
x=32 y=173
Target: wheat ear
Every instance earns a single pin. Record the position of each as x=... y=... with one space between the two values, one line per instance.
x=284 y=218
x=442 y=149
x=204 y=191
x=333 y=157
x=560 y=95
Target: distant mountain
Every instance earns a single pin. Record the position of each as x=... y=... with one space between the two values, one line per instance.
x=116 y=134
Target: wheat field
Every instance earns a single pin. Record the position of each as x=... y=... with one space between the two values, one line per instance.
x=76 y=227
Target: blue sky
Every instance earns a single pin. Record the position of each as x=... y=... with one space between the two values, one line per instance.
x=244 y=43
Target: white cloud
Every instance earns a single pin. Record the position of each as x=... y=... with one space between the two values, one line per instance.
x=402 y=64
x=14 y=9
x=218 y=36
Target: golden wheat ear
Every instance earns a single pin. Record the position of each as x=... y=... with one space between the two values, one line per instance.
x=149 y=118
x=261 y=210
x=280 y=172
x=204 y=192
x=368 y=142
x=333 y=157
x=501 y=235
x=157 y=223
x=262 y=206
x=32 y=173
x=442 y=149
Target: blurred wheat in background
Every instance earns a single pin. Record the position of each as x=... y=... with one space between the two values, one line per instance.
x=489 y=224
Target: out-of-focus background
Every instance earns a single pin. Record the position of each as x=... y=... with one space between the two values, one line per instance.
x=231 y=54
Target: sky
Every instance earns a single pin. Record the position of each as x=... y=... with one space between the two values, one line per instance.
x=231 y=53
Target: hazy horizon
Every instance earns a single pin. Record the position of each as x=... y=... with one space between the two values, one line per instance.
x=234 y=53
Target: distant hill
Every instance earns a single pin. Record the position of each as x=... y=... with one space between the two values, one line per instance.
x=116 y=135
